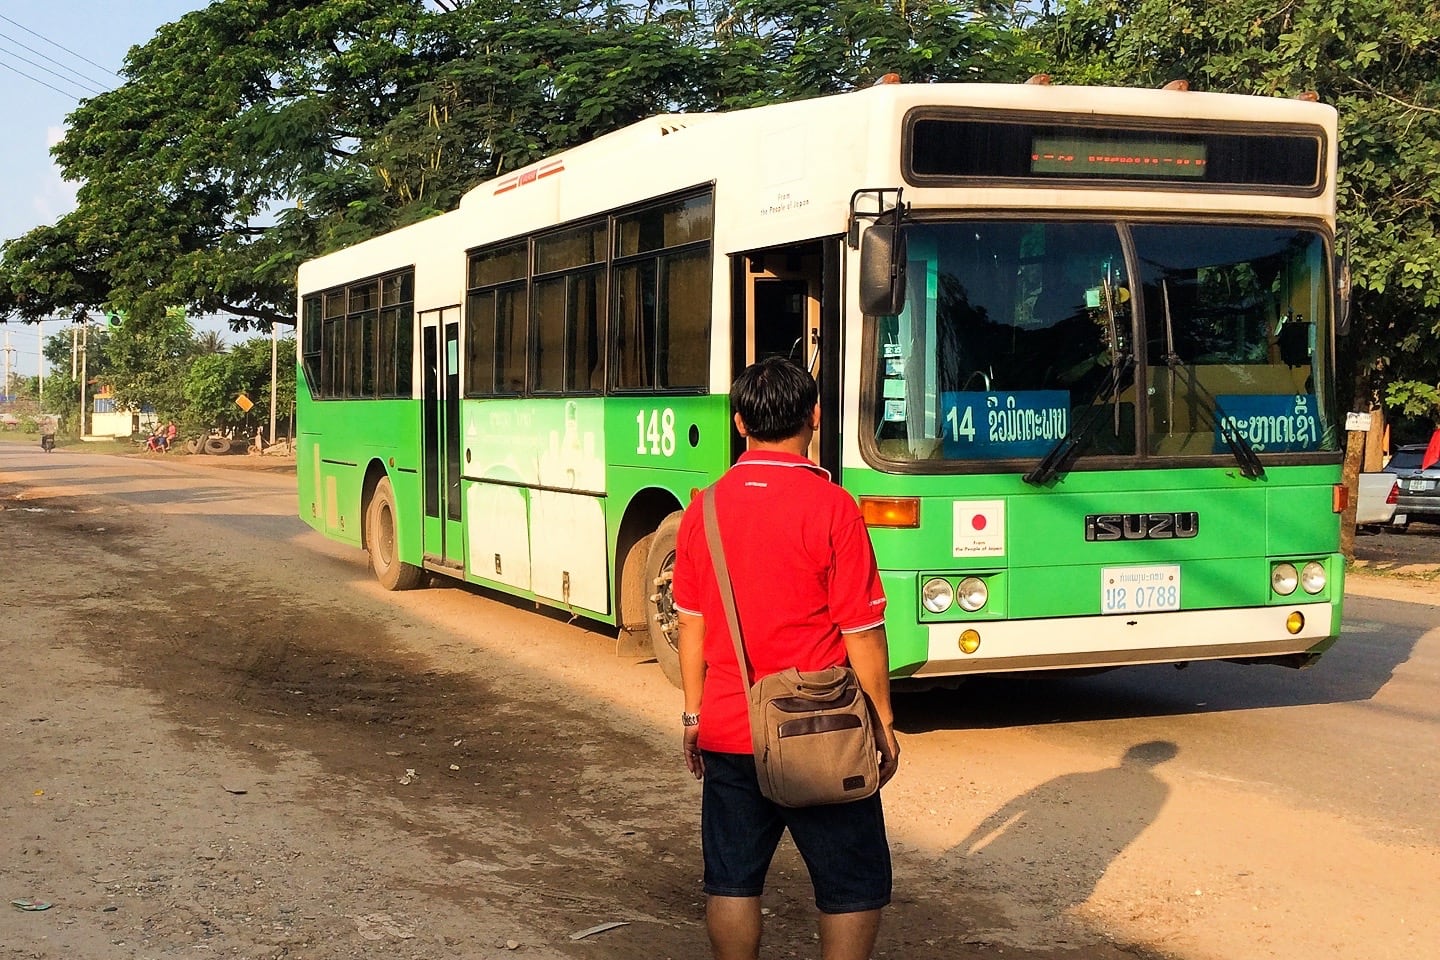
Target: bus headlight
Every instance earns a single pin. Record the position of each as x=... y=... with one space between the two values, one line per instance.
x=1312 y=577
x=937 y=595
x=1284 y=579
x=973 y=594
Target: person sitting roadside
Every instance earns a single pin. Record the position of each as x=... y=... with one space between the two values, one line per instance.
x=166 y=438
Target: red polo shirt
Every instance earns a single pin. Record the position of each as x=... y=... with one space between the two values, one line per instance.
x=803 y=572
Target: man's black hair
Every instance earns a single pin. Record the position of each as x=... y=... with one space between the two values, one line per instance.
x=774 y=399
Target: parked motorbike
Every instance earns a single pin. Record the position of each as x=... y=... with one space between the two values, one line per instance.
x=47 y=442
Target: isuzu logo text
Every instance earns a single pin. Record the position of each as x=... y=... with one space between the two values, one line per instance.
x=1101 y=527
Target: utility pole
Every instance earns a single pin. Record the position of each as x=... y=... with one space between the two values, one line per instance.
x=5 y=384
x=40 y=352
x=84 y=351
x=274 y=354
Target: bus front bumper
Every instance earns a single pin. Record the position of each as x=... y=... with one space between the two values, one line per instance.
x=1119 y=640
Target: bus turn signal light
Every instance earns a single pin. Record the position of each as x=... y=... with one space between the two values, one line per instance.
x=1339 y=498
x=970 y=641
x=1295 y=622
x=890 y=511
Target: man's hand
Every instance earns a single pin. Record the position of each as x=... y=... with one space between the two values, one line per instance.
x=693 y=761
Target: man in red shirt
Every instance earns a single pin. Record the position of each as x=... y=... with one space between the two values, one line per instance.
x=809 y=596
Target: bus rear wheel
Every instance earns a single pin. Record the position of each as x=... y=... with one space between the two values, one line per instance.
x=392 y=572
x=660 y=615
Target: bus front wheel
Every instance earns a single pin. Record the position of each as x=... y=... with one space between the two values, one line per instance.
x=392 y=572
x=660 y=613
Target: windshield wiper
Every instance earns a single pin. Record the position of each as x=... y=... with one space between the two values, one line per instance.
x=1068 y=447
x=1250 y=466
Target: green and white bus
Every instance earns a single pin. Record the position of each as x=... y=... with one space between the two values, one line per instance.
x=1075 y=349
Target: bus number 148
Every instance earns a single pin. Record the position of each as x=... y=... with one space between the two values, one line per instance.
x=656 y=433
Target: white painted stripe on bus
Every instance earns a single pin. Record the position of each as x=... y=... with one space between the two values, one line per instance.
x=1191 y=632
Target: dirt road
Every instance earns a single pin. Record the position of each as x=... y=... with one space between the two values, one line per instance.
x=221 y=738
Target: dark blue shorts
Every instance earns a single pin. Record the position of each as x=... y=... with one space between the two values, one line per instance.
x=843 y=844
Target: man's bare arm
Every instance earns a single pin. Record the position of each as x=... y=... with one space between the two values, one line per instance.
x=692 y=679
x=869 y=654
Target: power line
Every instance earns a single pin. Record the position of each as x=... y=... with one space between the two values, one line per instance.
x=85 y=81
x=59 y=47
x=83 y=86
x=63 y=93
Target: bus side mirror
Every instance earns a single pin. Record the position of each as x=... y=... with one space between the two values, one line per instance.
x=882 y=270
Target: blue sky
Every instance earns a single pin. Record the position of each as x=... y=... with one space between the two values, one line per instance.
x=32 y=114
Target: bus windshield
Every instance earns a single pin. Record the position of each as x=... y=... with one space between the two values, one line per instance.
x=1012 y=331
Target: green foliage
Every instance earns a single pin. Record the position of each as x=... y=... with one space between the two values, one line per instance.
x=59 y=349
x=228 y=113
x=214 y=381
x=251 y=135
x=1378 y=62
x=62 y=398
x=784 y=49
x=146 y=357
x=1418 y=400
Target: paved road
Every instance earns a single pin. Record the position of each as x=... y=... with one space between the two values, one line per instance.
x=1219 y=811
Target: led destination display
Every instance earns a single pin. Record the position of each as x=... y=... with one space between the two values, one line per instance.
x=1126 y=158
x=944 y=148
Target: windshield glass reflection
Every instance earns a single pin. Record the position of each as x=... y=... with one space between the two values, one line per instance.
x=1012 y=329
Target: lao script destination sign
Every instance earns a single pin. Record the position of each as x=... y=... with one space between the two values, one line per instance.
x=1271 y=423
x=997 y=426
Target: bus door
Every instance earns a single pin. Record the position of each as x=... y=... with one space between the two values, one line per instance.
x=787 y=304
x=440 y=437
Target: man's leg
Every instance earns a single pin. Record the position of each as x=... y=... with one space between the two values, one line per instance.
x=848 y=936
x=734 y=925
x=739 y=830
x=845 y=849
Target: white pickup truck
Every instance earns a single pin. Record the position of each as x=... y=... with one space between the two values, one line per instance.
x=1375 y=505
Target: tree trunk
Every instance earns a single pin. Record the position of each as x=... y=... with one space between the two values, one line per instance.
x=1350 y=476
x=1375 y=440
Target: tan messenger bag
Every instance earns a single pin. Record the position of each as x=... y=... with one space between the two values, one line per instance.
x=813 y=733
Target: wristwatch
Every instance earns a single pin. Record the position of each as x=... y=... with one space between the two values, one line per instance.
x=689 y=719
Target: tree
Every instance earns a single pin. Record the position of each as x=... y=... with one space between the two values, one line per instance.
x=214 y=381
x=783 y=49
x=227 y=114
x=251 y=135
x=62 y=398
x=147 y=359
x=1378 y=62
x=210 y=342
x=61 y=348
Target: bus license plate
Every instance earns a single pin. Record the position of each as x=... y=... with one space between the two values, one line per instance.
x=1140 y=589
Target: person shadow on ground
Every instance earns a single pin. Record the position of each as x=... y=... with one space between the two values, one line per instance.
x=1053 y=844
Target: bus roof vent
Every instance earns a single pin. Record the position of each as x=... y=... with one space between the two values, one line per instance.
x=1177 y=85
x=1039 y=79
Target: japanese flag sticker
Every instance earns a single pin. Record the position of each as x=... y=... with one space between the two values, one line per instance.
x=979 y=528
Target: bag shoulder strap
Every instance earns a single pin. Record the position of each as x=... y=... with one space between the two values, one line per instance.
x=722 y=576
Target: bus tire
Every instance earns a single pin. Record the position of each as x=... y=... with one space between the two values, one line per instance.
x=392 y=572
x=663 y=622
